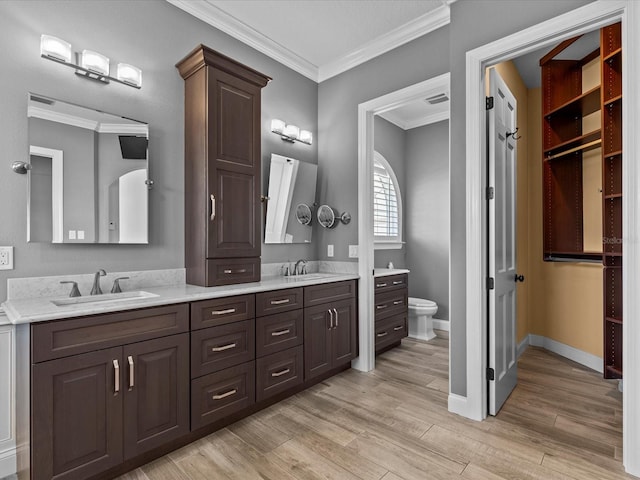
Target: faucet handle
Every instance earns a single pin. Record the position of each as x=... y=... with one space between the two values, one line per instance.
x=285 y=269
x=116 y=285
x=74 y=290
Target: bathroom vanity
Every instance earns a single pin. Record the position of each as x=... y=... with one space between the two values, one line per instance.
x=114 y=384
x=391 y=308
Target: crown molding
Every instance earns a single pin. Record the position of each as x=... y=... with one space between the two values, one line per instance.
x=37 y=112
x=416 y=122
x=403 y=34
x=123 y=128
x=221 y=20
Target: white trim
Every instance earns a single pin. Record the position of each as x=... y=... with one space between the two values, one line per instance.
x=440 y=324
x=122 y=128
x=416 y=28
x=416 y=122
x=64 y=118
x=57 y=191
x=379 y=245
x=221 y=20
x=8 y=462
x=579 y=356
x=411 y=30
x=458 y=404
x=589 y=17
x=522 y=346
x=8 y=457
x=366 y=111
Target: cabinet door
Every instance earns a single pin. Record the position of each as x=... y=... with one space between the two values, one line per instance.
x=317 y=341
x=156 y=393
x=343 y=335
x=76 y=422
x=233 y=166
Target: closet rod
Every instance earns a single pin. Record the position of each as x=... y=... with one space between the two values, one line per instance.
x=575 y=149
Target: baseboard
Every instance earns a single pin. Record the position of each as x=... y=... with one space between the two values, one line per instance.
x=441 y=324
x=579 y=356
x=522 y=346
x=8 y=462
x=458 y=404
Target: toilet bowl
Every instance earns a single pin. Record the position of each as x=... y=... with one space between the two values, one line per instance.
x=421 y=314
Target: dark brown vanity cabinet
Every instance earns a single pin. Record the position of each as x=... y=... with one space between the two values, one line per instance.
x=222 y=168
x=91 y=411
x=391 y=311
x=330 y=327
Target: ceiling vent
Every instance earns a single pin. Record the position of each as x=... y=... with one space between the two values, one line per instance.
x=439 y=98
x=46 y=101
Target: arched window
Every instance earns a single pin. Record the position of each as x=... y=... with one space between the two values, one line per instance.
x=387 y=205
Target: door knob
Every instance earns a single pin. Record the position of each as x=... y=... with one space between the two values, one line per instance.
x=519 y=278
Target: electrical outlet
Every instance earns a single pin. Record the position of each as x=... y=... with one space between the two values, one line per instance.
x=6 y=258
x=353 y=251
x=329 y=250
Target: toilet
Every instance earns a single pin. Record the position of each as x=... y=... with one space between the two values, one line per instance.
x=421 y=314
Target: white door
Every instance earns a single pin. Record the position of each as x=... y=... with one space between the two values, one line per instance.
x=502 y=243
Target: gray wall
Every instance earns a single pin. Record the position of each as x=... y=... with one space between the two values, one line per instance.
x=427 y=213
x=153 y=35
x=389 y=141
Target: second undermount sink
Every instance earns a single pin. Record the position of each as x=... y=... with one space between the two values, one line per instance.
x=108 y=298
x=308 y=276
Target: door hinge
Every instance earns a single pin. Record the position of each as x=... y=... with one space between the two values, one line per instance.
x=490 y=283
x=490 y=374
x=490 y=193
x=489 y=103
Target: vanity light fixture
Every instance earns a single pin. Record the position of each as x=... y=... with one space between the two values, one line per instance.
x=89 y=63
x=291 y=133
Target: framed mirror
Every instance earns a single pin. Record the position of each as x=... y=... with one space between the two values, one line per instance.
x=291 y=199
x=88 y=175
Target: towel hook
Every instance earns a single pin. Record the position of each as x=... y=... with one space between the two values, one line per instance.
x=513 y=134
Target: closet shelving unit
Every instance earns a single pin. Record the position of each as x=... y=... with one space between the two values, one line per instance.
x=564 y=106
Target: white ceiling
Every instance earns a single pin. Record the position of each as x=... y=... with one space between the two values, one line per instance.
x=321 y=38
x=418 y=113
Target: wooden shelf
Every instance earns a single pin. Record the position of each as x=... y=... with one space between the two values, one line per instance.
x=615 y=99
x=614 y=370
x=617 y=51
x=582 y=143
x=613 y=195
x=582 y=105
x=614 y=320
x=588 y=257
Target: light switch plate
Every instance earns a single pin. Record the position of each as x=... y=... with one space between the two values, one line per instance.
x=6 y=258
x=353 y=251
x=329 y=250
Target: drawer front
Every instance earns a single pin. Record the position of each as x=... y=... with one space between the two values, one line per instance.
x=61 y=338
x=211 y=313
x=329 y=292
x=229 y=271
x=391 y=303
x=390 y=330
x=391 y=282
x=279 y=372
x=279 y=332
x=214 y=349
x=217 y=395
x=278 y=301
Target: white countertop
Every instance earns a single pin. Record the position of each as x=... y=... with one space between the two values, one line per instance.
x=385 y=272
x=31 y=310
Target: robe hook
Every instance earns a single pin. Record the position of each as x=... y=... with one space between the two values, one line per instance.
x=513 y=134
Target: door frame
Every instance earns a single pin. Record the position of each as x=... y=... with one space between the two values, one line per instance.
x=57 y=189
x=366 y=111
x=581 y=20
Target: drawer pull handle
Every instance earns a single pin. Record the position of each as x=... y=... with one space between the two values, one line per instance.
x=380 y=285
x=223 y=348
x=280 y=332
x=383 y=334
x=225 y=395
x=336 y=312
x=280 y=302
x=116 y=373
x=223 y=312
x=213 y=207
x=330 y=319
x=399 y=327
x=229 y=271
x=380 y=307
x=280 y=373
x=131 y=372
x=398 y=302
x=398 y=282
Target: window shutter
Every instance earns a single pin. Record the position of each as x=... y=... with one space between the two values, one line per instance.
x=385 y=204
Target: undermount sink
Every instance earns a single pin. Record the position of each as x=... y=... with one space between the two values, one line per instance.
x=308 y=276
x=103 y=299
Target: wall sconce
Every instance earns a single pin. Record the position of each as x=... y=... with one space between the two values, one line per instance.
x=89 y=64
x=291 y=133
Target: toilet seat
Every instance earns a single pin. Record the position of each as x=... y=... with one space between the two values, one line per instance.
x=420 y=302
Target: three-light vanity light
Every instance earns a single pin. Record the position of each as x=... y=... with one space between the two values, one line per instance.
x=291 y=133
x=88 y=63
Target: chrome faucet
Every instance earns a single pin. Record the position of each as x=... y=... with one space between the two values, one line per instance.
x=297 y=271
x=96 y=290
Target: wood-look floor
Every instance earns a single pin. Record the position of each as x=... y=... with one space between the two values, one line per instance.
x=563 y=421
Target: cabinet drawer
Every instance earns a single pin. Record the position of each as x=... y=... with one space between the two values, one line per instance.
x=229 y=271
x=217 y=348
x=278 y=301
x=211 y=313
x=390 y=330
x=391 y=282
x=279 y=372
x=61 y=338
x=279 y=332
x=219 y=394
x=391 y=303
x=329 y=292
